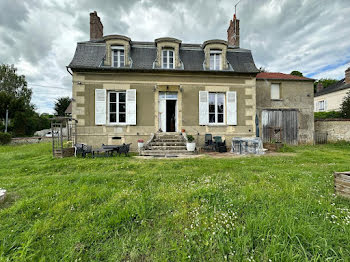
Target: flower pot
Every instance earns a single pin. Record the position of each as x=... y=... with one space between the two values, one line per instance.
x=140 y=145
x=183 y=130
x=191 y=146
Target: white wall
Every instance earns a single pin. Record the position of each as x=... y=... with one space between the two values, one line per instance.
x=333 y=100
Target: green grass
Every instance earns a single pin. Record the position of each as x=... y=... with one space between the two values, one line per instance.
x=279 y=208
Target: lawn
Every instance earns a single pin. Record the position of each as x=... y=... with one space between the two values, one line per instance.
x=269 y=208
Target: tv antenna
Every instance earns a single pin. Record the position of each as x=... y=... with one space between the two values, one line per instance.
x=236 y=6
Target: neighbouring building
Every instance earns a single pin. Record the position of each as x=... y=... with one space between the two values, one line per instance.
x=126 y=90
x=284 y=105
x=331 y=98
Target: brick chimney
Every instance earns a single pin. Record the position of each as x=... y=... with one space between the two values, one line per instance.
x=233 y=32
x=319 y=87
x=347 y=76
x=96 y=26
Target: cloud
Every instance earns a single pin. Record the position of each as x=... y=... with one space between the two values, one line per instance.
x=40 y=37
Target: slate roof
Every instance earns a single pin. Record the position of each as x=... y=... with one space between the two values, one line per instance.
x=340 y=85
x=280 y=76
x=91 y=54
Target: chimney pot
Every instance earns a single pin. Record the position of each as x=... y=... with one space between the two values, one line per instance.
x=347 y=76
x=96 y=26
x=233 y=35
x=319 y=87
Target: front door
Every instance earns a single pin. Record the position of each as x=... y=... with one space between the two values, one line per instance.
x=167 y=114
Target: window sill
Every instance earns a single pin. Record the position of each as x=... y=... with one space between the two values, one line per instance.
x=217 y=124
x=117 y=124
x=276 y=100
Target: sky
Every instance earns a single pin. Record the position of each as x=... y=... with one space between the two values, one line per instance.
x=39 y=37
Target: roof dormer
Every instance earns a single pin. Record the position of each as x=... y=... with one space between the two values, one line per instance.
x=168 y=53
x=215 y=55
x=117 y=51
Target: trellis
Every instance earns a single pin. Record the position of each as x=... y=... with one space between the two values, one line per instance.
x=64 y=136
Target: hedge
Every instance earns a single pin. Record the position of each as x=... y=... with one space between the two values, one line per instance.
x=5 y=138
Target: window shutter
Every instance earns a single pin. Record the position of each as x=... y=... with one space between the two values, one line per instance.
x=231 y=104
x=131 y=107
x=325 y=105
x=203 y=108
x=100 y=106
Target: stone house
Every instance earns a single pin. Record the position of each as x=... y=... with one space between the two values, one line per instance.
x=331 y=98
x=126 y=90
x=284 y=105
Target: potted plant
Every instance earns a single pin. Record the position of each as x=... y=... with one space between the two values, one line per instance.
x=140 y=143
x=191 y=146
x=183 y=130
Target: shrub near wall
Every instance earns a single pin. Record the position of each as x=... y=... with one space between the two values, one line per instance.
x=5 y=138
x=328 y=115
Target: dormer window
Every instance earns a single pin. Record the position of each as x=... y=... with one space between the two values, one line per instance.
x=215 y=60
x=168 y=59
x=118 y=56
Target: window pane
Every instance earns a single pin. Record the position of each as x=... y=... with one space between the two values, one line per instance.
x=220 y=103
x=122 y=118
x=211 y=62
x=211 y=108
x=220 y=118
x=217 y=62
x=171 y=53
x=171 y=65
x=112 y=97
x=275 y=91
x=122 y=107
x=112 y=117
x=113 y=107
x=211 y=118
x=122 y=96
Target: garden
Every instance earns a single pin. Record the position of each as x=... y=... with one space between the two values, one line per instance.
x=252 y=208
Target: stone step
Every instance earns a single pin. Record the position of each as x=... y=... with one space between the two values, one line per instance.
x=168 y=140
x=177 y=143
x=163 y=153
x=167 y=148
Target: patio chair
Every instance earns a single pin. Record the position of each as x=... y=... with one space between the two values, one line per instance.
x=208 y=143
x=220 y=146
x=82 y=149
x=124 y=149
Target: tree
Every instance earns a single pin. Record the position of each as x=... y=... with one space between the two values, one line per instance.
x=263 y=69
x=326 y=82
x=14 y=93
x=296 y=73
x=345 y=106
x=61 y=105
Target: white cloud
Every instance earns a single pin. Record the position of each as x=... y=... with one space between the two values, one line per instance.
x=40 y=37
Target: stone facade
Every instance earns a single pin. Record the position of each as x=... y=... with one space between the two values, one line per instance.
x=293 y=95
x=337 y=130
x=147 y=88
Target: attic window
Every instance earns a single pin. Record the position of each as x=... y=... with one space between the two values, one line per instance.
x=168 y=59
x=118 y=57
x=215 y=59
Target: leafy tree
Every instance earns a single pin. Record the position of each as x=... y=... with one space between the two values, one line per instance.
x=61 y=105
x=345 y=106
x=14 y=93
x=326 y=82
x=263 y=69
x=296 y=73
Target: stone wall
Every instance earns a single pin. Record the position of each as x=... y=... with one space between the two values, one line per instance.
x=337 y=129
x=296 y=95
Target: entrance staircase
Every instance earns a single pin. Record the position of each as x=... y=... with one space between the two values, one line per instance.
x=165 y=145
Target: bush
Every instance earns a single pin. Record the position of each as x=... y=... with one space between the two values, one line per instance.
x=5 y=138
x=190 y=138
x=331 y=114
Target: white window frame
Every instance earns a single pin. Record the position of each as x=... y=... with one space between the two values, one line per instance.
x=217 y=54
x=118 y=50
x=279 y=91
x=117 y=108
x=167 y=65
x=216 y=123
x=323 y=107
